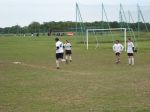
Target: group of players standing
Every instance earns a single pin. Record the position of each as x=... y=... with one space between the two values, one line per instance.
x=60 y=47
x=117 y=48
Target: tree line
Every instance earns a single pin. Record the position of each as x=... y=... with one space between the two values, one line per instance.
x=36 y=27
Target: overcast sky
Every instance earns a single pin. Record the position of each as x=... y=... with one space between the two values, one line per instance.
x=23 y=12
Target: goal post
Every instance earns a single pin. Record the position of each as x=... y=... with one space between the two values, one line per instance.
x=111 y=29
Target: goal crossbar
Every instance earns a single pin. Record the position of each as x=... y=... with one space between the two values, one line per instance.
x=111 y=29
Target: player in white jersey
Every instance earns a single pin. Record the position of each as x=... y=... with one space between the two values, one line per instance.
x=68 y=51
x=117 y=48
x=59 y=52
x=130 y=52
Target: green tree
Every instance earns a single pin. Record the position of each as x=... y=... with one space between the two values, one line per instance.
x=34 y=27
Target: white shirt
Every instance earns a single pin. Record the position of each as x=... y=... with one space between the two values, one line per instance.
x=118 y=48
x=130 y=46
x=59 y=47
x=67 y=46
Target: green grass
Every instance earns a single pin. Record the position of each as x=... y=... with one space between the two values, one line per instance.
x=91 y=83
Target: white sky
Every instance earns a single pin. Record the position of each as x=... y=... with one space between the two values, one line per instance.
x=23 y=12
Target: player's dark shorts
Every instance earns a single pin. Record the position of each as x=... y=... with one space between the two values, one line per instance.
x=117 y=54
x=59 y=55
x=130 y=54
x=68 y=52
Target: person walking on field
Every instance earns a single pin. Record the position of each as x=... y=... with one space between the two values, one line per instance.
x=59 y=52
x=117 y=48
x=68 y=51
x=130 y=52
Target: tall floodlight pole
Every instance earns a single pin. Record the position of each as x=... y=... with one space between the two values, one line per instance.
x=123 y=12
x=131 y=19
x=76 y=18
x=78 y=14
x=105 y=14
x=138 y=21
x=123 y=19
x=140 y=14
x=120 y=16
x=102 y=16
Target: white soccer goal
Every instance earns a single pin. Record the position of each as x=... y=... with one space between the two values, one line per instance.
x=124 y=30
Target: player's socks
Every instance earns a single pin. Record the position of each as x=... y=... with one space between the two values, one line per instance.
x=63 y=60
x=66 y=61
x=70 y=58
x=132 y=60
x=57 y=64
x=129 y=61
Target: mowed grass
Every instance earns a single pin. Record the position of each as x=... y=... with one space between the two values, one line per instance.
x=91 y=83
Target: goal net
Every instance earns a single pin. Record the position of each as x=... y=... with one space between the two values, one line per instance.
x=98 y=36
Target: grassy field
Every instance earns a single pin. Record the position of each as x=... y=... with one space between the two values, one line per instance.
x=91 y=83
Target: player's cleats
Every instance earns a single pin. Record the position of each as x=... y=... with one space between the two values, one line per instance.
x=66 y=61
x=63 y=60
